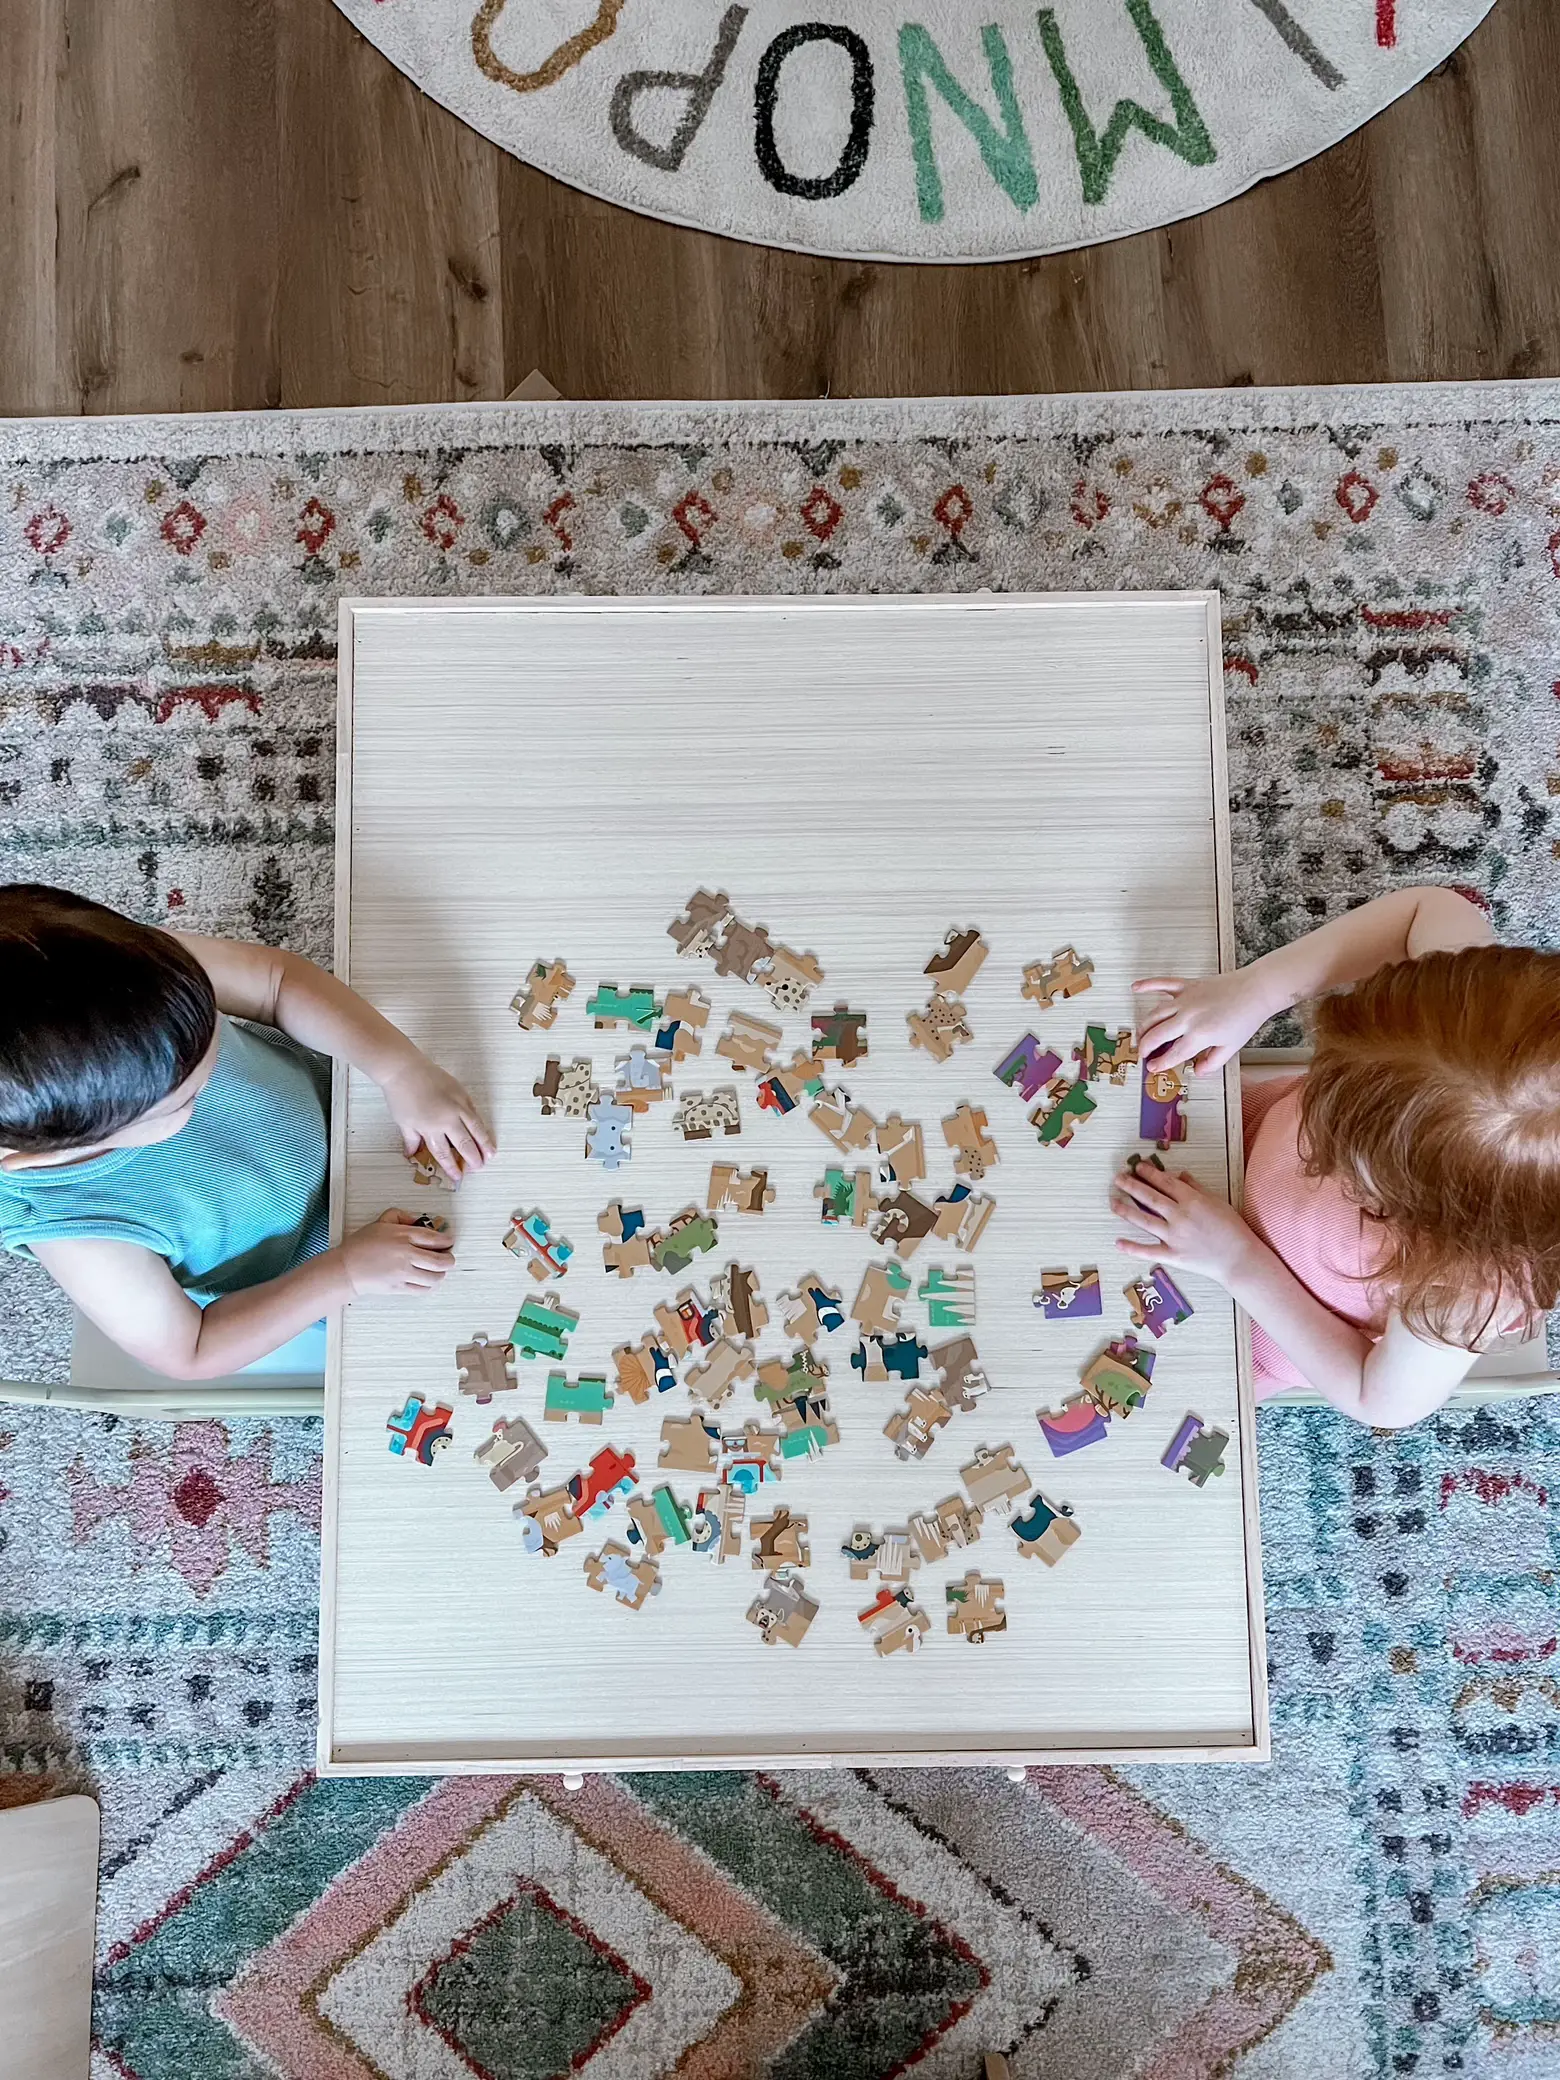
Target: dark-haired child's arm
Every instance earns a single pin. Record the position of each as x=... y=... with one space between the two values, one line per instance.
x=132 y=1296
x=1207 y=1021
x=1391 y=1383
x=282 y=989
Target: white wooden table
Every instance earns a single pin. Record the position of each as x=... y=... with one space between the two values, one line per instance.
x=524 y=779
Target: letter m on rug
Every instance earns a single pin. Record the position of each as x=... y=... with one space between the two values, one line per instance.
x=1004 y=146
x=1187 y=136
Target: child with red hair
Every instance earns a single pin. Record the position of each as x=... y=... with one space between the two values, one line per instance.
x=1402 y=1203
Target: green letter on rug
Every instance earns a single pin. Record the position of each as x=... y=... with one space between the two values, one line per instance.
x=1005 y=150
x=1187 y=136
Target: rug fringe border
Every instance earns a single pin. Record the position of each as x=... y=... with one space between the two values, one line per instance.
x=154 y=436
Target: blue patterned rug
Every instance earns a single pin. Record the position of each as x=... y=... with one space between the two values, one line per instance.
x=1384 y=1899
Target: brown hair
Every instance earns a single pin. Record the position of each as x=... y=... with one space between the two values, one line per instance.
x=1434 y=1097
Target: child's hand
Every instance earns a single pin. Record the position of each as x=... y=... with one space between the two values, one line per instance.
x=394 y=1255
x=1191 y=1230
x=1204 y=1023
x=429 y=1106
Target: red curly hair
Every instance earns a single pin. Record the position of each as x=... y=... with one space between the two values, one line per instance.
x=1434 y=1098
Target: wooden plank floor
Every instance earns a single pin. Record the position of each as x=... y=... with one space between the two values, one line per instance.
x=217 y=203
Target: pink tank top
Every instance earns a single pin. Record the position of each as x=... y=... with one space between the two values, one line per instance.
x=1320 y=1234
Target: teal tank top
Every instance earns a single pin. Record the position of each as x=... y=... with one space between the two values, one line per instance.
x=237 y=1196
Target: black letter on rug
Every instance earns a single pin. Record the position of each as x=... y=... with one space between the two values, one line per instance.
x=854 y=156
x=700 y=87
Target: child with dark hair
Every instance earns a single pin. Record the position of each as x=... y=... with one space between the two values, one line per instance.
x=168 y=1165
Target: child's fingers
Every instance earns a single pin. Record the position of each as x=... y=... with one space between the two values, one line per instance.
x=1158 y=1196
x=486 y=1139
x=1166 y=985
x=467 y=1146
x=1156 y=1250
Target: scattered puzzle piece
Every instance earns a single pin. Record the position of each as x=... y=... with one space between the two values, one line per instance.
x=687 y=1444
x=749 y=1043
x=814 y=1308
x=1064 y=975
x=743 y=950
x=577 y=1090
x=949 y=1297
x=903 y=1221
x=1029 y=1066
x=953 y=1523
x=635 y=1244
x=940 y=1028
x=691 y=1234
x=607 y=1139
x=790 y=978
x=530 y=1236
x=739 y=1191
x=840 y=1035
x=790 y=1379
x=419 y=1429
x=717 y=1377
x=901 y=1150
x=958 y=960
x=426 y=1170
x=1056 y=1118
x=782 y=1611
x=717 y=1522
x=679 y=1032
x=975 y=1608
x=993 y=1477
x=912 y=1430
x=1064 y=1298
x=1118 y=1379
x=1157 y=1302
x=1079 y=1423
x=806 y=1427
x=610 y=1474
x=1194 y=1450
x=658 y=1520
x=641 y=1080
x=779 y=1540
x=698 y=1117
x=611 y=1007
x=586 y=1397
x=961 y=1379
x=512 y=1452
x=861 y=1550
x=1043 y=1531
x=879 y=1358
x=742 y=1311
x=1160 y=1118
x=536 y=1002
x=965 y=1132
x=547 y=1520
x=962 y=1216
x=895 y=1622
x=631 y=1581
x=542 y=1328
x=783 y=1090
x=1103 y=1054
x=876 y=1308
x=850 y=1127
x=686 y=1324
x=845 y=1198
x=643 y=1369
x=486 y=1368
x=699 y=930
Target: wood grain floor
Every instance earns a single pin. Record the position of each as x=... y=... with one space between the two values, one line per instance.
x=221 y=203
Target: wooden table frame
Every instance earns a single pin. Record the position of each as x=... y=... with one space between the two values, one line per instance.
x=361 y=1760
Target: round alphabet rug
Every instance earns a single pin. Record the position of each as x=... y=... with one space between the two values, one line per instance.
x=916 y=129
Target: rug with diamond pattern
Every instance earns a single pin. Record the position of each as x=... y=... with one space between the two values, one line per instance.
x=1383 y=1899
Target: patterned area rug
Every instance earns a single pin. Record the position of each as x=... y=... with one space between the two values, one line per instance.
x=1383 y=1900
x=917 y=134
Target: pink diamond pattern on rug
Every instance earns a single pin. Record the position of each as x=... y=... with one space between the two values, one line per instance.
x=187 y=1504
